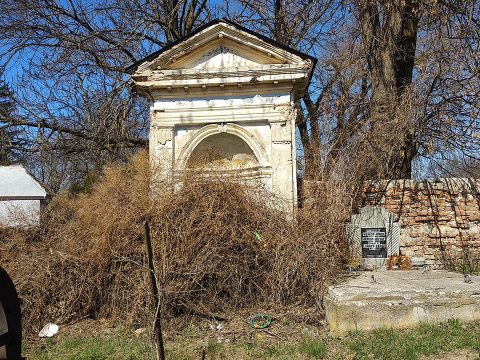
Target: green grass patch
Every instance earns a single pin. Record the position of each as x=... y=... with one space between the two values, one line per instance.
x=214 y=348
x=382 y=344
x=118 y=347
x=425 y=339
x=314 y=348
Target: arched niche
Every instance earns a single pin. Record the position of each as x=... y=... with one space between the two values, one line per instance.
x=224 y=146
x=222 y=151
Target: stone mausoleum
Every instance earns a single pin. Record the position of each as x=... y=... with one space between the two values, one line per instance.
x=222 y=100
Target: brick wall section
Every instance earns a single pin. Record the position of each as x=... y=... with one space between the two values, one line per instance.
x=440 y=220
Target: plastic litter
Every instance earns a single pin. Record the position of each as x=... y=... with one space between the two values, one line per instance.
x=48 y=331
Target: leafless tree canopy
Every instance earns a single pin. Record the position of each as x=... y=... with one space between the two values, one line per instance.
x=395 y=91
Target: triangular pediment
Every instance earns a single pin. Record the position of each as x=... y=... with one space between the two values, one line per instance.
x=222 y=53
x=221 y=45
x=221 y=57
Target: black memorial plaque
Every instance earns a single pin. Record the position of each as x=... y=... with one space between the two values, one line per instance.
x=374 y=242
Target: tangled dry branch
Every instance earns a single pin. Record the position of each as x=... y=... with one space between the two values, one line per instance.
x=219 y=246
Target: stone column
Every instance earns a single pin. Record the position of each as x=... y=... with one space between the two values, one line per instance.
x=161 y=151
x=283 y=180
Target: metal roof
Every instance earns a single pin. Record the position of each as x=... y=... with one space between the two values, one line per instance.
x=17 y=184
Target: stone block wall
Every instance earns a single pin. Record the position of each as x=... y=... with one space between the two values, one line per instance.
x=440 y=220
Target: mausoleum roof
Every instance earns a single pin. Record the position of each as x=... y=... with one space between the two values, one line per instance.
x=132 y=68
x=16 y=183
x=222 y=53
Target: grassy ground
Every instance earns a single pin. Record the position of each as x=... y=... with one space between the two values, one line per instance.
x=117 y=346
x=423 y=342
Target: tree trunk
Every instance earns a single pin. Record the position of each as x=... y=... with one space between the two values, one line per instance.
x=389 y=34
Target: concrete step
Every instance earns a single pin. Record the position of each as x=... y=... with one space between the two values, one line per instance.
x=400 y=299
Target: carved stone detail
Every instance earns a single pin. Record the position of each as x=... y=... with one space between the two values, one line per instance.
x=222 y=127
x=217 y=51
x=163 y=134
x=221 y=50
x=281 y=132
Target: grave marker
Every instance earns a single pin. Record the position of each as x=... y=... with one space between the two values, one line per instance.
x=373 y=236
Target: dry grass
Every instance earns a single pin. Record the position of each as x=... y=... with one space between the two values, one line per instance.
x=220 y=246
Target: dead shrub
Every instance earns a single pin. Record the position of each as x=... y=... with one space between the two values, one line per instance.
x=220 y=246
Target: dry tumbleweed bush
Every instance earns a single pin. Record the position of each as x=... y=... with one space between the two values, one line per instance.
x=219 y=246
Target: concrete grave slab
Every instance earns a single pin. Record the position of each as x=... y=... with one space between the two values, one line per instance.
x=400 y=299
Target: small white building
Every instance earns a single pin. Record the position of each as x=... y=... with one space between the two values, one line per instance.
x=20 y=197
x=224 y=98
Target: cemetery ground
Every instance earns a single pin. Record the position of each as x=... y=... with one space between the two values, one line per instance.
x=219 y=248
x=286 y=338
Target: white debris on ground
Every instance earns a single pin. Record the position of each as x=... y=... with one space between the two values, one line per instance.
x=48 y=331
x=217 y=327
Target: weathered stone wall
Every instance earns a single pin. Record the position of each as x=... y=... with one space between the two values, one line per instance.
x=440 y=220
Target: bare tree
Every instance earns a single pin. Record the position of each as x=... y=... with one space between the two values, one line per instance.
x=11 y=139
x=389 y=36
x=373 y=95
x=72 y=94
x=396 y=83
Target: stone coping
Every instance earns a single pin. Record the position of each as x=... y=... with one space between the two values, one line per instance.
x=404 y=285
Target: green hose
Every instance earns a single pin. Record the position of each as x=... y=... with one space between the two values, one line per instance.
x=260 y=321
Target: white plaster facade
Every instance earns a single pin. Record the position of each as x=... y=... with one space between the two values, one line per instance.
x=20 y=197
x=226 y=87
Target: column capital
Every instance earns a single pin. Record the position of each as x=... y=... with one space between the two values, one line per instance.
x=162 y=133
x=281 y=132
